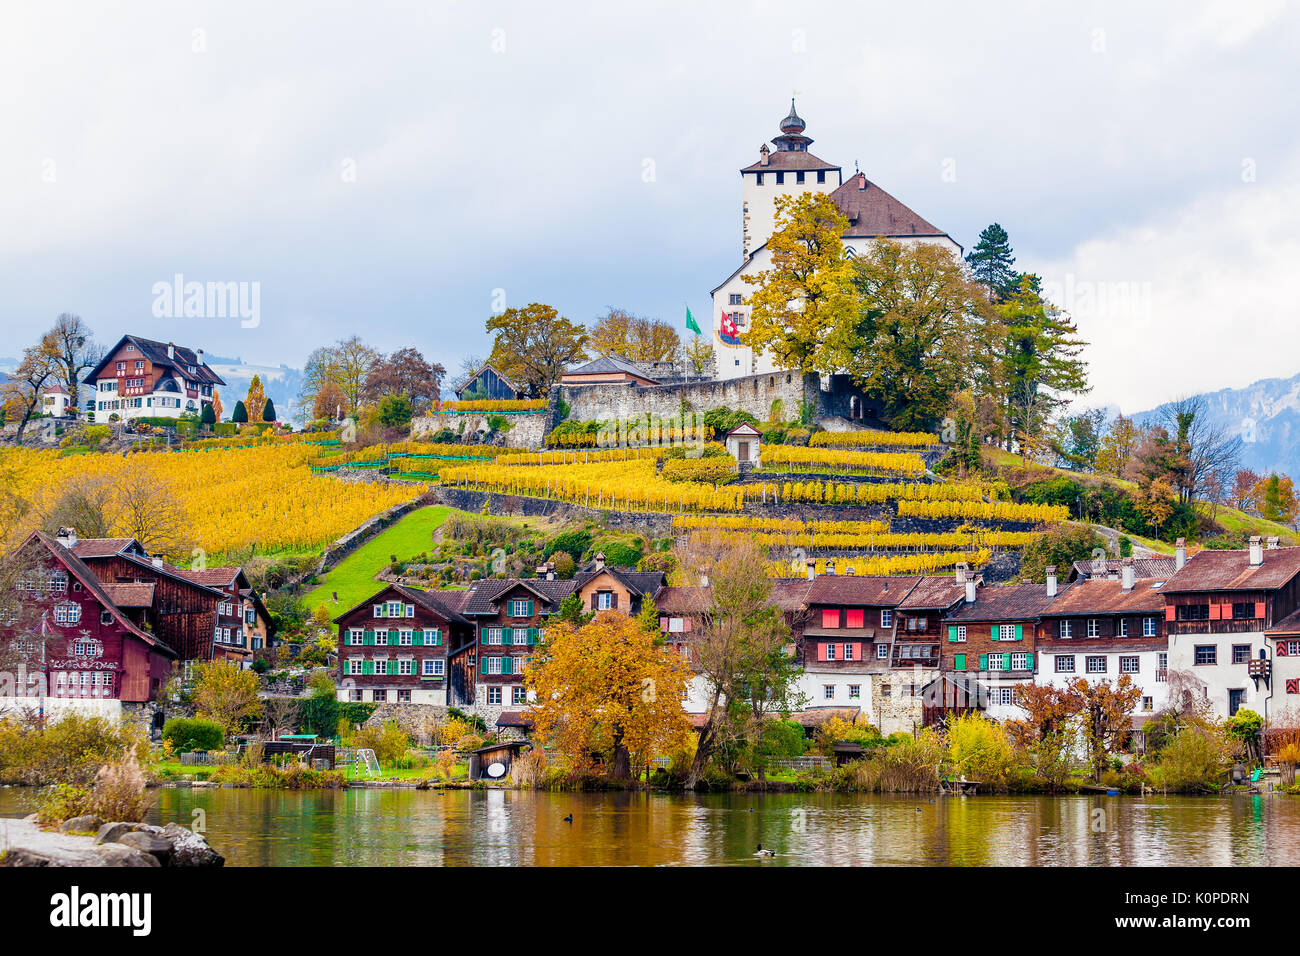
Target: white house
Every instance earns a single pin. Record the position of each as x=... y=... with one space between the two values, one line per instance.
x=55 y=401
x=743 y=442
x=141 y=378
x=791 y=170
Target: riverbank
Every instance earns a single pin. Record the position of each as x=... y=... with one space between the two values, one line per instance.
x=23 y=843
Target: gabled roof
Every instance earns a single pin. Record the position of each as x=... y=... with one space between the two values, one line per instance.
x=169 y=571
x=439 y=602
x=156 y=352
x=1231 y=571
x=746 y=429
x=483 y=368
x=875 y=589
x=1006 y=602
x=211 y=577
x=639 y=583
x=484 y=596
x=934 y=593
x=82 y=573
x=781 y=160
x=106 y=547
x=130 y=595
x=1162 y=568
x=1104 y=596
x=873 y=212
x=608 y=364
x=787 y=594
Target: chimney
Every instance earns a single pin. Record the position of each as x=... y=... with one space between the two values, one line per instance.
x=970 y=589
x=1126 y=574
x=763 y=154
x=1180 y=553
x=67 y=537
x=830 y=565
x=157 y=562
x=600 y=561
x=198 y=356
x=550 y=570
x=849 y=570
x=1272 y=542
x=961 y=572
x=1256 y=551
x=862 y=180
x=541 y=570
x=171 y=350
x=1051 y=580
x=812 y=568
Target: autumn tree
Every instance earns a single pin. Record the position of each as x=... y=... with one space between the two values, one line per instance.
x=1115 y=448
x=150 y=511
x=1155 y=502
x=22 y=393
x=911 y=343
x=608 y=685
x=406 y=372
x=634 y=337
x=535 y=345
x=803 y=304
x=256 y=399
x=699 y=353
x=329 y=401
x=342 y=368
x=74 y=351
x=1201 y=448
x=225 y=692
x=1277 y=499
x=1245 y=489
x=216 y=404
x=742 y=650
x=1104 y=716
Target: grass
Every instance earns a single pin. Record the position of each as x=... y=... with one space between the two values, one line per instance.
x=354 y=577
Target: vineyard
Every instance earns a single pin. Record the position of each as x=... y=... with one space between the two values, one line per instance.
x=983 y=511
x=502 y=407
x=857 y=564
x=840 y=460
x=873 y=439
x=262 y=499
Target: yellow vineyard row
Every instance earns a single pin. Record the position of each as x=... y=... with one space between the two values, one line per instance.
x=979 y=510
x=868 y=462
x=747 y=523
x=873 y=439
x=860 y=565
x=864 y=493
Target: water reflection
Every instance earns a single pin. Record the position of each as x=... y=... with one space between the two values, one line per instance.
x=514 y=828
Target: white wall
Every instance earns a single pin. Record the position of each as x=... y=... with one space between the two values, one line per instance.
x=1145 y=678
x=1224 y=675
x=56 y=707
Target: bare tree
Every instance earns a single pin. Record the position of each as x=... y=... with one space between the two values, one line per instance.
x=86 y=503
x=1206 y=454
x=74 y=352
x=148 y=511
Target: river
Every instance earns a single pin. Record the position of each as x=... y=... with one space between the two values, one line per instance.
x=526 y=828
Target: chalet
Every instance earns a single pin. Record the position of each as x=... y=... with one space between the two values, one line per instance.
x=487 y=384
x=994 y=634
x=89 y=645
x=1219 y=607
x=243 y=621
x=141 y=378
x=607 y=370
x=394 y=646
x=1098 y=629
x=603 y=588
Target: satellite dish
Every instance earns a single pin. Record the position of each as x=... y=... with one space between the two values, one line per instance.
x=496 y=770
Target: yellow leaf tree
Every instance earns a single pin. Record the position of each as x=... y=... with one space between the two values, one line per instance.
x=803 y=305
x=609 y=686
x=256 y=400
x=216 y=404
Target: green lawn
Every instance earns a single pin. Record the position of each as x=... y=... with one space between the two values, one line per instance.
x=354 y=577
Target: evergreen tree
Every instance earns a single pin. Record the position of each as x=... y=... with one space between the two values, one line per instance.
x=208 y=417
x=991 y=263
x=268 y=412
x=240 y=414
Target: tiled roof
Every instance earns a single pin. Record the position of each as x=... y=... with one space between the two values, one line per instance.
x=1162 y=568
x=1231 y=571
x=607 y=364
x=484 y=595
x=637 y=582
x=1103 y=596
x=432 y=601
x=1006 y=602
x=844 y=589
x=156 y=352
x=935 y=593
x=781 y=160
x=1289 y=626
x=210 y=577
x=130 y=595
x=873 y=212
x=102 y=547
x=788 y=594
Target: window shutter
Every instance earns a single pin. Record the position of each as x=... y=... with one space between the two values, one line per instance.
x=686 y=625
x=482 y=665
x=437 y=636
x=821 y=651
x=984 y=662
x=613 y=600
x=367 y=637
x=1029 y=661
x=532 y=635
x=952 y=632
x=1260 y=610
x=392 y=636
x=1006 y=662
x=417 y=637
x=532 y=608
x=1216 y=612
x=392 y=667
x=663 y=623
x=857 y=651
x=507 y=665
x=959 y=662
x=367 y=667
x=1169 y=612
x=1020 y=632
x=593 y=600
x=507 y=635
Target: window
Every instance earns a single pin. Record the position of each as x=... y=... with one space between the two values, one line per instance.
x=394 y=609
x=1006 y=632
x=995 y=662
x=1162 y=667
x=494 y=635
x=676 y=625
x=1240 y=653
x=1020 y=662
x=830 y=651
x=1291 y=648
x=828 y=691
x=604 y=601
x=521 y=608
x=355 y=694
x=882 y=652
x=780 y=179
x=406 y=667
x=1193 y=612
x=855 y=691
x=105 y=618
x=494 y=665
x=1065 y=629
x=760 y=182
x=1005 y=695
x=1095 y=663
x=355 y=665
x=821 y=175
x=1206 y=654
x=735 y=298
x=1123 y=627
x=1128 y=665
x=886 y=690
x=518 y=695
x=798 y=177
x=848 y=652
x=960 y=634
x=67 y=613
x=1094 y=627
x=403 y=696
x=380 y=696
x=1147 y=703
x=1148 y=627
x=1242 y=610
x=830 y=617
x=886 y=618
x=404 y=637
x=1065 y=663
x=494 y=695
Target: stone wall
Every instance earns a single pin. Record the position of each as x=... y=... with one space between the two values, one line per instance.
x=649 y=524
x=900 y=712
x=415 y=719
x=525 y=431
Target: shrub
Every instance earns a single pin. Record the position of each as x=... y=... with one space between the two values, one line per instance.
x=620 y=555
x=389 y=742
x=526 y=769
x=186 y=734
x=837 y=729
x=575 y=543
x=119 y=792
x=1196 y=760
x=979 y=749
x=69 y=750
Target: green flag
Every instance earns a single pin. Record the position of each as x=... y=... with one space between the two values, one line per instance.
x=691 y=323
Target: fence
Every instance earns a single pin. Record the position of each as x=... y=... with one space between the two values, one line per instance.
x=802 y=764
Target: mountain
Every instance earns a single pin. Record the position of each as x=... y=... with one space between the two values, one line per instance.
x=281 y=383
x=1266 y=416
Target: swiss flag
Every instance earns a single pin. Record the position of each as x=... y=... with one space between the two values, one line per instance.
x=728 y=328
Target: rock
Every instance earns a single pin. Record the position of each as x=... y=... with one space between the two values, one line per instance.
x=190 y=848
x=21 y=857
x=87 y=823
x=149 y=843
x=109 y=832
x=117 y=854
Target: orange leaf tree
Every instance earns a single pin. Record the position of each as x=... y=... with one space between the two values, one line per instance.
x=608 y=686
x=1104 y=716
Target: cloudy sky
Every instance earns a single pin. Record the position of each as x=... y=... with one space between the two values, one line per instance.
x=386 y=168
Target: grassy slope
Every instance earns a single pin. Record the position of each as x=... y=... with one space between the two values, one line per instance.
x=354 y=577
x=1230 y=518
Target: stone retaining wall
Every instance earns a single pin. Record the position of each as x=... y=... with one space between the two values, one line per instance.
x=525 y=431
x=651 y=524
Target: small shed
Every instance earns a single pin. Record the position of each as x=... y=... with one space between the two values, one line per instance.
x=489 y=384
x=743 y=443
x=493 y=762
